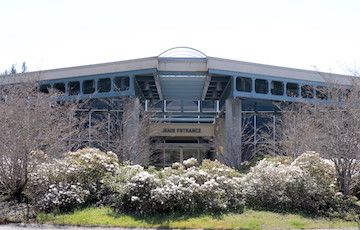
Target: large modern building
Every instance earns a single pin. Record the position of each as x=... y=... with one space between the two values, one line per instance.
x=194 y=100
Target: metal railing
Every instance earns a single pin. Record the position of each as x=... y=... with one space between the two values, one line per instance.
x=182 y=110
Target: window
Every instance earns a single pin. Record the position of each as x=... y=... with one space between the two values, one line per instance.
x=243 y=84
x=277 y=88
x=44 y=88
x=121 y=83
x=88 y=86
x=322 y=92
x=292 y=89
x=261 y=86
x=74 y=87
x=307 y=91
x=104 y=85
x=347 y=94
x=60 y=87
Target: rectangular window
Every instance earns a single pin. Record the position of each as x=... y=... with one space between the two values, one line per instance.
x=88 y=86
x=292 y=89
x=277 y=88
x=307 y=91
x=74 y=88
x=335 y=94
x=104 y=85
x=261 y=86
x=44 y=88
x=322 y=92
x=347 y=94
x=121 y=83
x=243 y=84
x=60 y=87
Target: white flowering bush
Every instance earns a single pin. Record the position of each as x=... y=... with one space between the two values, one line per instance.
x=316 y=167
x=75 y=179
x=211 y=187
x=64 y=197
x=131 y=189
x=90 y=176
x=191 y=162
x=307 y=184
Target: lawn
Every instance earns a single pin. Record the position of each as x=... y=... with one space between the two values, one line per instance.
x=249 y=219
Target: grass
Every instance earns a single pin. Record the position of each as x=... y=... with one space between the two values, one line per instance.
x=248 y=220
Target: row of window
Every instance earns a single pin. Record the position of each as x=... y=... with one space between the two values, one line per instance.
x=90 y=86
x=245 y=84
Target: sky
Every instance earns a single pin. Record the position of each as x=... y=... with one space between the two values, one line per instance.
x=307 y=34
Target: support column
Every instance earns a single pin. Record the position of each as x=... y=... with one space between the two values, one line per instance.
x=233 y=132
x=131 y=124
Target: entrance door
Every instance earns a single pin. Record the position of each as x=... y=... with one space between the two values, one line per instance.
x=168 y=156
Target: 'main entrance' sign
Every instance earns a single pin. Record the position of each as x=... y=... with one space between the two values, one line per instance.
x=182 y=130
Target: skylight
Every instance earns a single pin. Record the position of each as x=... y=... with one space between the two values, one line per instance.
x=182 y=52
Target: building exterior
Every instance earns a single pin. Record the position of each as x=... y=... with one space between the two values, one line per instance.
x=198 y=105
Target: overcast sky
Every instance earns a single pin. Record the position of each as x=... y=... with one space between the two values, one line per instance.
x=50 y=34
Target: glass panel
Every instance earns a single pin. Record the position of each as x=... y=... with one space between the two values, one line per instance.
x=292 y=89
x=189 y=153
x=307 y=91
x=173 y=106
x=121 y=83
x=74 y=88
x=277 y=88
x=126 y=83
x=190 y=106
x=199 y=154
x=158 y=157
x=88 y=86
x=208 y=106
x=60 y=87
x=203 y=153
x=243 y=84
x=248 y=105
x=261 y=86
x=104 y=85
x=172 y=156
x=264 y=107
x=45 y=88
x=322 y=92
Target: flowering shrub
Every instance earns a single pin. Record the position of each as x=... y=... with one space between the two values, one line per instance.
x=191 y=162
x=131 y=188
x=307 y=184
x=64 y=197
x=209 y=187
x=313 y=165
x=71 y=181
x=88 y=176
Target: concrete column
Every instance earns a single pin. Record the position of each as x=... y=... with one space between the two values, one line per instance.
x=131 y=130
x=233 y=132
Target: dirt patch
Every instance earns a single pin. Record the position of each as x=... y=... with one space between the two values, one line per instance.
x=12 y=212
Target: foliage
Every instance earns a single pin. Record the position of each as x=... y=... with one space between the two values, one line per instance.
x=71 y=181
x=210 y=187
x=307 y=185
x=330 y=128
x=89 y=176
x=13 y=70
x=129 y=132
x=30 y=121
